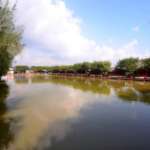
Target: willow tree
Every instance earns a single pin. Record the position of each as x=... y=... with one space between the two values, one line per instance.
x=10 y=36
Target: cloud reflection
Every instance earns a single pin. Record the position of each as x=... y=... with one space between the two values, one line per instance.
x=41 y=113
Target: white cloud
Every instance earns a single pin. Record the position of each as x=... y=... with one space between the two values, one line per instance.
x=54 y=36
x=136 y=28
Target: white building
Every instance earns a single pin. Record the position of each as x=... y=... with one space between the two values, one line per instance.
x=11 y=71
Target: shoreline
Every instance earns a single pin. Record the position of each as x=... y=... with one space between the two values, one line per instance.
x=91 y=76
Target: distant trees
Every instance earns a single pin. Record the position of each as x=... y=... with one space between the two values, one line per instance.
x=21 y=69
x=144 y=68
x=41 y=68
x=99 y=67
x=128 y=66
x=84 y=67
x=133 y=66
x=10 y=37
x=146 y=64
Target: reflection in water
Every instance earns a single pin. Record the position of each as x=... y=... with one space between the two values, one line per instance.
x=128 y=94
x=3 y=95
x=125 y=90
x=94 y=86
x=50 y=113
x=135 y=92
x=5 y=135
x=43 y=109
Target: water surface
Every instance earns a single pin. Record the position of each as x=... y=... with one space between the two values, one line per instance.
x=56 y=113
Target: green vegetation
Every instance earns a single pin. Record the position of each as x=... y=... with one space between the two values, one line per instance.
x=128 y=66
x=81 y=67
x=10 y=37
x=21 y=69
x=145 y=66
x=101 y=67
x=125 y=67
x=97 y=67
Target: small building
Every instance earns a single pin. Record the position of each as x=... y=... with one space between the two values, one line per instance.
x=11 y=71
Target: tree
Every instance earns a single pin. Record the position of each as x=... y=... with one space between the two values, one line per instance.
x=128 y=66
x=10 y=37
x=81 y=67
x=105 y=67
x=5 y=61
x=100 y=67
x=21 y=69
x=146 y=63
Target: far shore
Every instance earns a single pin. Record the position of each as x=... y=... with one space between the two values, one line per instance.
x=92 y=76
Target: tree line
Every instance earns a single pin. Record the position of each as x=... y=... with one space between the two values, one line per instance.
x=127 y=67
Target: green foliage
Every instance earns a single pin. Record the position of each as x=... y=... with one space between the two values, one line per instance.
x=101 y=67
x=21 y=69
x=128 y=65
x=81 y=68
x=146 y=63
x=5 y=61
x=10 y=37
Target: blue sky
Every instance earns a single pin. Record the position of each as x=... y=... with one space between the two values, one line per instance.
x=104 y=19
x=70 y=31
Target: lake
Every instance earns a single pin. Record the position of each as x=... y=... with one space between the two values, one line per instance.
x=58 y=113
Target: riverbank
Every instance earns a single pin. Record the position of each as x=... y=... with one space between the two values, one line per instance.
x=137 y=78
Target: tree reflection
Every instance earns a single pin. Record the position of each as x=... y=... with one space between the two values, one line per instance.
x=45 y=112
x=21 y=80
x=144 y=91
x=125 y=90
x=135 y=91
x=142 y=87
x=5 y=134
x=127 y=94
x=116 y=84
x=83 y=84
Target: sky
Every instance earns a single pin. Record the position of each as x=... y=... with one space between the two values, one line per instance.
x=58 y=32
